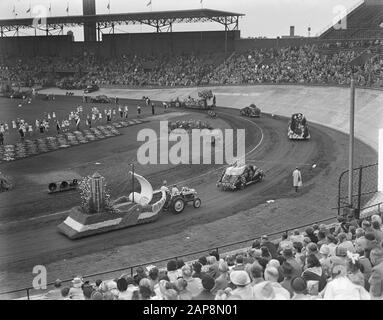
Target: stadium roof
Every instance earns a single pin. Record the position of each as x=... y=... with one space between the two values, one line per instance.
x=153 y=18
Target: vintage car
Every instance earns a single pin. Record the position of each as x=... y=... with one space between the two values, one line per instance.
x=251 y=111
x=238 y=177
x=176 y=200
x=100 y=99
x=298 y=128
x=91 y=88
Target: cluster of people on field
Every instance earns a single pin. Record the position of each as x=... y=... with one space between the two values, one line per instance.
x=339 y=262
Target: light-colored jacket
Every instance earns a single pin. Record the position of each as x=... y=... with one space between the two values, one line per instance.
x=297 y=178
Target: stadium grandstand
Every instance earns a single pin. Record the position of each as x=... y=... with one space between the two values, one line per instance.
x=336 y=258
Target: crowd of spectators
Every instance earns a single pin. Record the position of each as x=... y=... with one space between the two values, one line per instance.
x=310 y=63
x=341 y=262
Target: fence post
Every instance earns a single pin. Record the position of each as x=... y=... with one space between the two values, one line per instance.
x=359 y=190
x=28 y=294
x=131 y=272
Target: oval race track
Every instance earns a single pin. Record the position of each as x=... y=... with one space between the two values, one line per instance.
x=223 y=217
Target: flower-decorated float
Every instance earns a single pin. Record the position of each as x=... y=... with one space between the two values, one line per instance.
x=99 y=214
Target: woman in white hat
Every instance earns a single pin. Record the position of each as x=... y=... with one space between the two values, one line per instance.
x=242 y=281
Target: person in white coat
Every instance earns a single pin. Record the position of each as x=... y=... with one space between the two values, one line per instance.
x=297 y=179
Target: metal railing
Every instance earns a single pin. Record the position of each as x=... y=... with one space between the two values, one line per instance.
x=26 y=292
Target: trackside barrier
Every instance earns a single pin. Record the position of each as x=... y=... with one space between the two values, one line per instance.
x=30 y=293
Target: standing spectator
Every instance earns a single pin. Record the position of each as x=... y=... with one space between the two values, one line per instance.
x=138 y=111
x=376 y=279
x=126 y=112
x=325 y=261
x=1 y=138
x=265 y=242
x=287 y=271
x=376 y=229
x=153 y=111
x=297 y=179
x=295 y=265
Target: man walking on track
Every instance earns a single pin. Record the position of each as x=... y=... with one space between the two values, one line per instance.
x=297 y=179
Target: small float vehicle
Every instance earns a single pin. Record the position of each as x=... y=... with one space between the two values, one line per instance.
x=251 y=111
x=176 y=200
x=91 y=88
x=239 y=177
x=62 y=186
x=100 y=99
x=298 y=128
x=212 y=114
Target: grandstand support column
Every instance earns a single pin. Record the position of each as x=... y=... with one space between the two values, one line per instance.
x=98 y=32
x=2 y=32
x=226 y=27
x=351 y=144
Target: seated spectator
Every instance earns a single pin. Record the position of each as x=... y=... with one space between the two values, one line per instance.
x=173 y=272
x=376 y=278
x=96 y=295
x=340 y=287
x=238 y=263
x=284 y=243
x=75 y=292
x=314 y=275
x=299 y=288
x=355 y=269
x=297 y=237
x=325 y=260
x=194 y=285
x=321 y=238
x=87 y=291
x=140 y=274
x=55 y=294
x=153 y=276
x=222 y=281
x=331 y=244
x=270 y=289
x=197 y=267
x=378 y=233
x=287 y=271
x=241 y=280
x=344 y=243
x=256 y=273
x=65 y=293
x=310 y=233
x=208 y=283
x=122 y=286
x=183 y=292
x=265 y=254
x=215 y=254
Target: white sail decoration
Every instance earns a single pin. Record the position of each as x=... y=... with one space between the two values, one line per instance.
x=146 y=194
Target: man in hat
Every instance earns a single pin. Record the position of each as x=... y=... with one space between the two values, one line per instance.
x=376 y=278
x=297 y=179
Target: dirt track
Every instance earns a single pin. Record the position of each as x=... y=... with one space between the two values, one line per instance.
x=23 y=245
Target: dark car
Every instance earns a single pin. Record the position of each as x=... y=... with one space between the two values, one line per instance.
x=91 y=88
x=251 y=111
x=100 y=99
x=239 y=177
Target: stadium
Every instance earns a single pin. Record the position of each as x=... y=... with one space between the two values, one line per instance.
x=83 y=217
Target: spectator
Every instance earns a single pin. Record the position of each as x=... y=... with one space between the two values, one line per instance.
x=75 y=292
x=183 y=292
x=222 y=281
x=287 y=271
x=378 y=233
x=285 y=243
x=344 y=243
x=239 y=263
x=55 y=294
x=65 y=293
x=265 y=242
x=310 y=233
x=173 y=272
x=376 y=279
x=122 y=286
x=295 y=265
x=341 y=287
x=241 y=280
x=197 y=267
x=208 y=283
x=270 y=288
x=325 y=260
x=354 y=269
x=194 y=285
x=256 y=273
x=299 y=288
x=314 y=275
x=297 y=237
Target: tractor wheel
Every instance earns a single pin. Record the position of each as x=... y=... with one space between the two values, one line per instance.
x=197 y=203
x=178 y=205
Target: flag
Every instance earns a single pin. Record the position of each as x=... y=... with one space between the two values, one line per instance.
x=108 y=6
x=50 y=7
x=149 y=3
x=67 y=8
x=29 y=10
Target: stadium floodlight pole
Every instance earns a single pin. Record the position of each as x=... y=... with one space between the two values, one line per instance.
x=351 y=144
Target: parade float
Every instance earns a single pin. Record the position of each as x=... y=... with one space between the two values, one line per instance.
x=5 y=183
x=238 y=177
x=99 y=214
x=298 y=128
x=205 y=101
